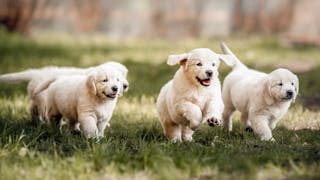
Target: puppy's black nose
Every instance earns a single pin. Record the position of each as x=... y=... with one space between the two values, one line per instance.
x=114 y=88
x=209 y=73
x=289 y=94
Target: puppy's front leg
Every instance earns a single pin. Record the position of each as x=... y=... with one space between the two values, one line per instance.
x=273 y=124
x=213 y=112
x=187 y=133
x=88 y=124
x=102 y=126
x=260 y=126
x=191 y=113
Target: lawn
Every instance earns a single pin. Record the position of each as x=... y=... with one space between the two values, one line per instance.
x=134 y=146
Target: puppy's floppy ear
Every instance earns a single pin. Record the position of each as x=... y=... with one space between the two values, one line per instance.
x=227 y=59
x=125 y=86
x=267 y=91
x=296 y=86
x=178 y=59
x=91 y=84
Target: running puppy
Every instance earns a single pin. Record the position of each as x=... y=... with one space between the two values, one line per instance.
x=261 y=98
x=192 y=96
x=87 y=100
x=35 y=77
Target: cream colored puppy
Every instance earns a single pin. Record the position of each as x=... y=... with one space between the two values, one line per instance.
x=261 y=98
x=87 y=100
x=36 y=76
x=192 y=96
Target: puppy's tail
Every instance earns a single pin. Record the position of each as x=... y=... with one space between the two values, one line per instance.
x=236 y=64
x=43 y=86
x=18 y=77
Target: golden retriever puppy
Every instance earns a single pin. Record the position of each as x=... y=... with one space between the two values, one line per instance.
x=192 y=96
x=87 y=100
x=261 y=98
x=36 y=76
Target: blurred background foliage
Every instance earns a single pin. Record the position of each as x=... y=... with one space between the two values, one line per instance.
x=296 y=21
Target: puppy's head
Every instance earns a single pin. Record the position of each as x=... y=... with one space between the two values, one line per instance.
x=282 y=85
x=121 y=69
x=200 y=65
x=106 y=84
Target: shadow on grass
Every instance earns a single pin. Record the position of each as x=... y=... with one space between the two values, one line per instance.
x=40 y=138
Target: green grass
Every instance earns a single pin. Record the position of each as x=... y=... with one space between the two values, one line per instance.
x=134 y=146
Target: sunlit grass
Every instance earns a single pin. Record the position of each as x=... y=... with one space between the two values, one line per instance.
x=134 y=146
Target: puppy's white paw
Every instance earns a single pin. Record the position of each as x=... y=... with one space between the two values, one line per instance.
x=194 y=125
x=271 y=139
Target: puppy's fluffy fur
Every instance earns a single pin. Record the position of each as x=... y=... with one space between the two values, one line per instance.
x=87 y=100
x=35 y=77
x=261 y=98
x=192 y=96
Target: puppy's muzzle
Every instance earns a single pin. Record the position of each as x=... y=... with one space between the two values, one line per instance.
x=114 y=93
x=115 y=89
x=204 y=82
x=207 y=81
x=289 y=95
x=209 y=73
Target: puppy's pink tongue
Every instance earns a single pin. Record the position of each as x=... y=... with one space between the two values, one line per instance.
x=206 y=82
x=113 y=95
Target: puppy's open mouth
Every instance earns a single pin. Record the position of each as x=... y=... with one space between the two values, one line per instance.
x=204 y=82
x=286 y=98
x=111 y=96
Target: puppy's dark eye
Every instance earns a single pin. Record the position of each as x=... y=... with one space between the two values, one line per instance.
x=213 y=64
x=105 y=80
x=199 y=64
x=280 y=84
x=292 y=83
x=117 y=79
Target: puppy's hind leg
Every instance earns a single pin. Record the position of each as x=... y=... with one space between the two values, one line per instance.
x=172 y=131
x=245 y=122
x=227 y=117
x=34 y=112
x=54 y=117
x=228 y=110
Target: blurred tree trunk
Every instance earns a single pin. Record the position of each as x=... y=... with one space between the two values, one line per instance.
x=195 y=23
x=177 y=18
x=15 y=15
x=262 y=16
x=158 y=18
x=305 y=29
x=89 y=14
